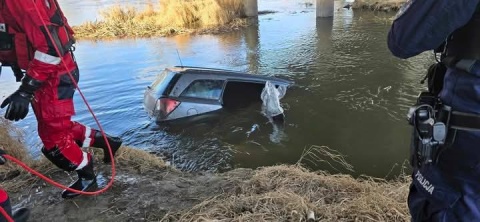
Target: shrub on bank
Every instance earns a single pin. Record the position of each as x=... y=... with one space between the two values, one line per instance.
x=165 y=18
x=386 y=5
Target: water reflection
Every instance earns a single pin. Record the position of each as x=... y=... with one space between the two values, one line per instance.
x=7 y=76
x=324 y=34
x=252 y=39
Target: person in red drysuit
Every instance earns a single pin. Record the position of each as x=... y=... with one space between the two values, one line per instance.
x=46 y=53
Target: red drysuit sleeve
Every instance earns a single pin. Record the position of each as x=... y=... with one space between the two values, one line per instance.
x=45 y=61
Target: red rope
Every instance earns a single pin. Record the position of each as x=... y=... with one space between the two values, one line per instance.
x=50 y=181
x=5 y=214
x=110 y=183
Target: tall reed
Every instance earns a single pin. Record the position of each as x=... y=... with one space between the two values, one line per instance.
x=163 y=18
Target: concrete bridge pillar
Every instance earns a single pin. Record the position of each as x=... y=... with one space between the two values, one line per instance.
x=325 y=8
x=251 y=8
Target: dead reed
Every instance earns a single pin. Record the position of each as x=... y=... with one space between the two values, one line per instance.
x=139 y=160
x=165 y=18
x=292 y=193
x=11 y=141
x=12 y=176
x=386 y=5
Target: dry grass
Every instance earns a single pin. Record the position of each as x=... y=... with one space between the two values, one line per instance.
x=139 y=160
x=386 y=5
x=11 y=141
x=170 y=17
x=292 y=193
x=320 y=154
x=14 y=177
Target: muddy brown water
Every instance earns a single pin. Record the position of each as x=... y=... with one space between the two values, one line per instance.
x=350 y=93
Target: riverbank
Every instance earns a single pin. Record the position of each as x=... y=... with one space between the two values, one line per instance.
x=146 y=189
x=166 y=18
x=375 y=5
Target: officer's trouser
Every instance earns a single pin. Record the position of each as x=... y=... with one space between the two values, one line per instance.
x=449 y=190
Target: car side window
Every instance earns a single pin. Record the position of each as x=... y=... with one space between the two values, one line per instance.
x=204 y=89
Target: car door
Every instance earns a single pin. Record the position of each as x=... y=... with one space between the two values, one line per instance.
x=199 y=97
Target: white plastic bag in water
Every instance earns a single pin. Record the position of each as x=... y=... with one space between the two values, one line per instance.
x=271 y=99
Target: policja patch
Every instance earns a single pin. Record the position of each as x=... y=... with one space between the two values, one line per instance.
x=404 y=8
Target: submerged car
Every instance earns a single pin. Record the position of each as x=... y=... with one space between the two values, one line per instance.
x=181 y=92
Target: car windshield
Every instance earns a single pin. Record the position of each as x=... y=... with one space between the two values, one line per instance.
x=204 y=89
x=161 y=82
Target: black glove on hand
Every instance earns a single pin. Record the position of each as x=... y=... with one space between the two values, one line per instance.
x=18 y=103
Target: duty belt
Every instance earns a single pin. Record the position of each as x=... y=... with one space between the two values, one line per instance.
x=461 y=120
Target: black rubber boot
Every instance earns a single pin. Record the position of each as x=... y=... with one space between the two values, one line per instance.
x=21 y=215
x=8 y=208
x=99 y=142
x=87 y=181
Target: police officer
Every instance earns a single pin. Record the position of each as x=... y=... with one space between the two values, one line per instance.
x=446 y=188
x=35 y=36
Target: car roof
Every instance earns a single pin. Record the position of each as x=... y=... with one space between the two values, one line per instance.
x=228 y=74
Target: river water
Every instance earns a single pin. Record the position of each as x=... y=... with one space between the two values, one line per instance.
x=350 y=93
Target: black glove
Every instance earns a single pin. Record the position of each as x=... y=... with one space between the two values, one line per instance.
x=18 y=103
x=2 y=159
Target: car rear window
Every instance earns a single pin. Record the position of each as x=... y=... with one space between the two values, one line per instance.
x=204 y=89
x=161 y=83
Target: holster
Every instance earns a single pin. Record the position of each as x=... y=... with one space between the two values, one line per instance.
x=427 y=120
x=432 y=132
